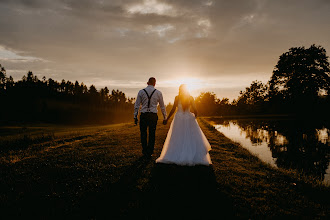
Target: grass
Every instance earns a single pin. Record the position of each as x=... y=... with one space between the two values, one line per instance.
x=99 y=172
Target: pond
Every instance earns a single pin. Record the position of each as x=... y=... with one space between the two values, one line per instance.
x=291 y=144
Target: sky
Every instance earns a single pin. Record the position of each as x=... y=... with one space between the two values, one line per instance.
x=219 y=46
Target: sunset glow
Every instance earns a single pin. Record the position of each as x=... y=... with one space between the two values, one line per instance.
x=109 y=109
x=192 y=83
x=216 y=46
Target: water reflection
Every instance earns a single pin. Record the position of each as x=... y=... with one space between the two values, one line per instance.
x=294 y=144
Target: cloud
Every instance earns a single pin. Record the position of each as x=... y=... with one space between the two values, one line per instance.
x=151 y=7
x=160 y=30
x=204 y=27
x=14 y=56
x=129 y=40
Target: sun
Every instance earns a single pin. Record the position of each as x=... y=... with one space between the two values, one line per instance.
x=193 y=84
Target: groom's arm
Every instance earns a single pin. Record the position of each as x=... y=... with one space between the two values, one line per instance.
x=137 y=105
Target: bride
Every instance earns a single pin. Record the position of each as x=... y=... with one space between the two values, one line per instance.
x=185 y=143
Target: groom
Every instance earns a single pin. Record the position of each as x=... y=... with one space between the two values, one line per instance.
x=149 y=97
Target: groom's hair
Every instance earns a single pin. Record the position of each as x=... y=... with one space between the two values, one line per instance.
x=152 y=81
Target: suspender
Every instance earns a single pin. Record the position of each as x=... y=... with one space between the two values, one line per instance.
x=149 y=98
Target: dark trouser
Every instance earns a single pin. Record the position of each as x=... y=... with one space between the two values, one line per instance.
x=148 y=120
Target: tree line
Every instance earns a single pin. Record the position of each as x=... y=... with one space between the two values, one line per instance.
x=46 y=100
x=299 y=86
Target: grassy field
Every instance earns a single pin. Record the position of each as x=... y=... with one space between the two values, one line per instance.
x=98 y=172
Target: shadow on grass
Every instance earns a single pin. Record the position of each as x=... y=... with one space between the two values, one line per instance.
x=121 y=199
x=184 y=192
x=170 y=192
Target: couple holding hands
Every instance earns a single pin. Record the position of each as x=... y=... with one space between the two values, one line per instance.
x=185 y=143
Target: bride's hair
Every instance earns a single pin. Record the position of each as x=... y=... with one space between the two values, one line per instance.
x=184 y=96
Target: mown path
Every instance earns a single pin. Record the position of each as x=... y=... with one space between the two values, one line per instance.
x=102 y=174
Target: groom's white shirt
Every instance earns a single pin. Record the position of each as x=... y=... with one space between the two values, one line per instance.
x=156 y=98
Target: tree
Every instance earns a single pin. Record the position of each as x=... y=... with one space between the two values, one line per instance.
x=104 y=93
x=252 y=100
x=93 y=95
x=83 y=88
x=301 y=74
x=206 y=103
x=254 y=94
x=62 y=86
x=117 y=97
x=10 y=82
x=224 y=101
x=69 y=87
x=30 y=77
x=225 y=106
x=77 y=91
x=3 y=78
x=92 y=90
x=52 y=85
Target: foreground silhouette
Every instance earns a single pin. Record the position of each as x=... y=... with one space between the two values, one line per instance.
x=171 y=192
x=102 y=175
x=185 y=192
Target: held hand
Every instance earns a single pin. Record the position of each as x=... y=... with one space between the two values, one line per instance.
x=136 y=121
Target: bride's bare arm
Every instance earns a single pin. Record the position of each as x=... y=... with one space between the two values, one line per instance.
x=173 y=108
x=193 y=106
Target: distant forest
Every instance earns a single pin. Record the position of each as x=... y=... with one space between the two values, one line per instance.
x=299 y=86
x=46 y=100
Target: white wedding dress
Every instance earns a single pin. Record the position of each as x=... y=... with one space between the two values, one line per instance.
x=185 y=143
